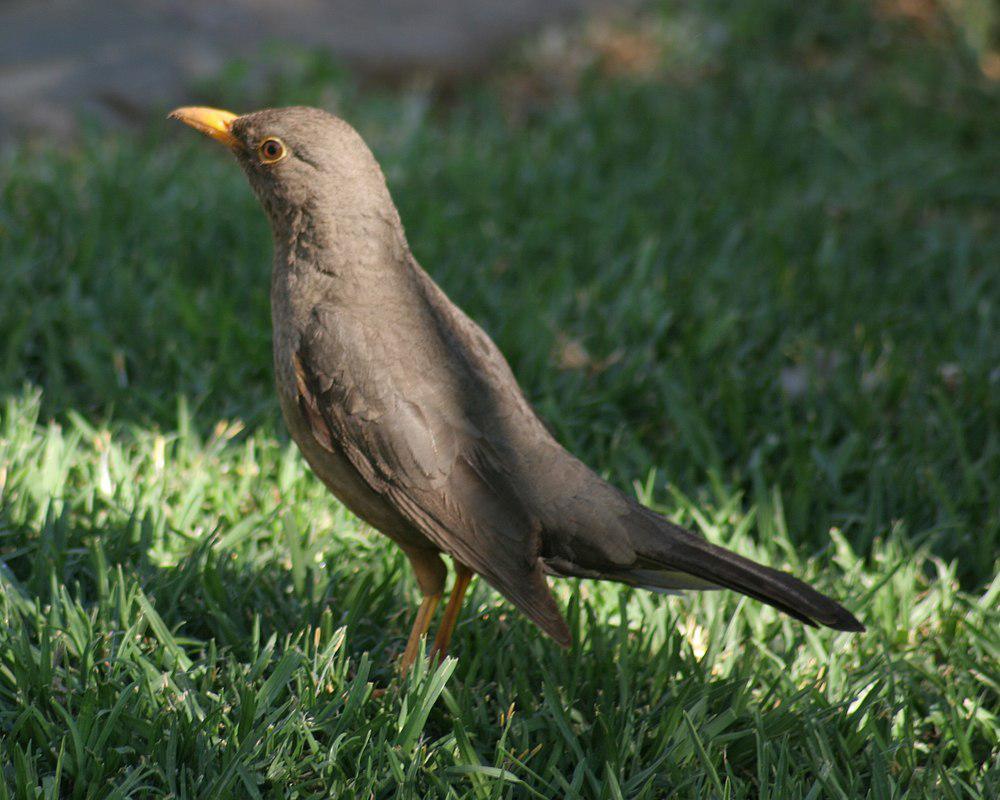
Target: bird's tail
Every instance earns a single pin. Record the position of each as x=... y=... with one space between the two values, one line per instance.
x=666 y=549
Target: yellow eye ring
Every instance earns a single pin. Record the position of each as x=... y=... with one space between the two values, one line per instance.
x=271 y=150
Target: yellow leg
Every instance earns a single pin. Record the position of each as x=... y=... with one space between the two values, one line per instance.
x=462 y=577
x=420 y=625
x=430 y=572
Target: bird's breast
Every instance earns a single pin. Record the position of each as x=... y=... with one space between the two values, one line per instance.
x=330 y=465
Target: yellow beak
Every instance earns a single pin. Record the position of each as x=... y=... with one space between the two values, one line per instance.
x=211 y=121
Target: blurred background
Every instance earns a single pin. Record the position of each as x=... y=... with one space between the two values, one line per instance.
x=115 y=59
x=744 y=258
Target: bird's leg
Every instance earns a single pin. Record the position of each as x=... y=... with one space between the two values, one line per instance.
x=462 y=577
x=420 y=625
x=430 y=571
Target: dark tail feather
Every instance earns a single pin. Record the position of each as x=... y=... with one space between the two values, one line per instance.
x=669 y=547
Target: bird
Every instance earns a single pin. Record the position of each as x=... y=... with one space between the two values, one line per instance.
x=410 y=414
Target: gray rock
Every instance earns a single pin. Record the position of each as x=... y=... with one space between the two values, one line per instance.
x=121 y=59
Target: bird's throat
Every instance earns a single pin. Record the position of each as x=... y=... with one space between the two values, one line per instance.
x=352 y=253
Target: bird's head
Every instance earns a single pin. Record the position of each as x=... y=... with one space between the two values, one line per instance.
x=298 y=160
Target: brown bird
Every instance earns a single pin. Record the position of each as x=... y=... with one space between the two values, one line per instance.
x=409 y=413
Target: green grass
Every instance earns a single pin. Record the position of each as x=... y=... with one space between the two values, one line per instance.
x=760 y=284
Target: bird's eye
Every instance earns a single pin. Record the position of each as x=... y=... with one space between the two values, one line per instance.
x=271 y=150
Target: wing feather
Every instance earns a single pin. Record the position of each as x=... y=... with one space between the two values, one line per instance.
x=426 y=458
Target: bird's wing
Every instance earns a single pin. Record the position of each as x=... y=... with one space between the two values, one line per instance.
x=408 y=437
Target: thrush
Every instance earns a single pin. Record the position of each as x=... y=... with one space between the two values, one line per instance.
x=411 y=416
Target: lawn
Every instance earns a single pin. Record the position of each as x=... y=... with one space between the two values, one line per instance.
x=745 y=260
